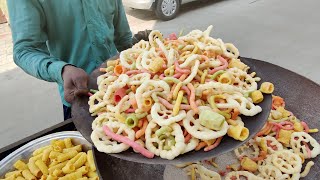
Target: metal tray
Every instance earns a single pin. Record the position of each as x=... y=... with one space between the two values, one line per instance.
x=25 y=151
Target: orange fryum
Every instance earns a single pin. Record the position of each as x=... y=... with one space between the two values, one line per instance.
x=269 y=129
x=133 y=103
x=262 y=156
x=136 y=129
x=192 y=102
x=183 y=77
x=235 y=113
x=143 y=129
x=133 y=88
x=201 y=145
x=265 y=128
x=214 y=145
x=118 y=70
x=140 y=124
x=277 y=101
x=187 y=138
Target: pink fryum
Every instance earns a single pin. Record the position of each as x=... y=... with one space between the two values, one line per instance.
x=305 y=126
x=286 y=125
x=214 y=145
x=129 y=73
x=173 y=36
x=170 y=106
x=161 y=76
x=127 y=141
x=130 y=110
x=180 y=70
x=178 y=75
x=186 y=90
x=307 y=148
x=223 y=67
x=119 y=94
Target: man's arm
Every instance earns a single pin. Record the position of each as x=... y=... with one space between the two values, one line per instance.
x=123 y=35
x=30 y=52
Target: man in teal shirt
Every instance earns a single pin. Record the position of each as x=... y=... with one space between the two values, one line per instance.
x=63 y=41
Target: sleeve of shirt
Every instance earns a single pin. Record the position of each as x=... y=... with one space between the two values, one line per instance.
x=30 y=51
x=123 y=35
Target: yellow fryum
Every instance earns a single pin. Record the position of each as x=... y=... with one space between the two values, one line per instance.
x=120 y=117
x=225 y=78
x=297 y=126
x=238 y=132
x=249 y=165
x=20 y=165
x=284 y=136
x=176 y=106
x=176 y=90
x=112 y=63
x=203 y=76
x=263 y=145
x=156 y=64
x=284 y=112
x=237 y=63
x=313 y=130
x=267 y=87
x=256 y=96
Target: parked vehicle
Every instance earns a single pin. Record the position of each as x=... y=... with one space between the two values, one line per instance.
x=164 y=9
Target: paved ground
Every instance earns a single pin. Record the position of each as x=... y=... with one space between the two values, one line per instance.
x=282 y=32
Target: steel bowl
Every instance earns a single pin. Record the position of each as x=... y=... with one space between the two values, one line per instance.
x=25 y=152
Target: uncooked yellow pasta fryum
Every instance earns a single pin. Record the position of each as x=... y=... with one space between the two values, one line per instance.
x=171 y=82
x=60 y=160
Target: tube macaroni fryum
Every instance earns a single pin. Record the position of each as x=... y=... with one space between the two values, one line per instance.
x=167 y=78
x=72 y=163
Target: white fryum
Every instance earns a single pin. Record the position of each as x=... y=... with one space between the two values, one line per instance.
x=103 y=118
x=107 y=145
x=142 y=44
x=164 y=117
x=98 y=96
x=138 y=79
x=126 y=58
x=287 y=161
x=245 y=106
x=159 y=151
x=118 y=84
x=251 y=150
x=296 y=142
x=145 y=87
x=191 y=145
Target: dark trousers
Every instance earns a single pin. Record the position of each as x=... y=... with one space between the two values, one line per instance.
x=66 y=112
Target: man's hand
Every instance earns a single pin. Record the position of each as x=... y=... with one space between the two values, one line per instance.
x=141 y=35
x=75 y=82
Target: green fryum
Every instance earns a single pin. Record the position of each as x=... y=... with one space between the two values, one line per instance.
x=164 y=130
x=132 y=121
x=214 y=106
x=93 y=91
x=211 y=120
x=164 y=134
x=170 y=141
x=213 y=76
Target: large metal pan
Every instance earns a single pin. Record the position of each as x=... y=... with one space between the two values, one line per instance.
x=83 y=121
